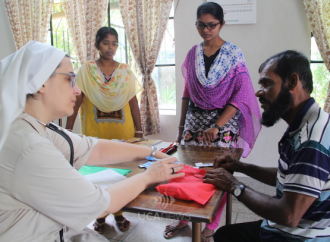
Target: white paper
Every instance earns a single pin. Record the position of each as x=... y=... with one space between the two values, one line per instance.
x=105 y=178
x=200 y=164
x=238 y=11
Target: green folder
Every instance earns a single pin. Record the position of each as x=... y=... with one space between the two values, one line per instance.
x=87 y=170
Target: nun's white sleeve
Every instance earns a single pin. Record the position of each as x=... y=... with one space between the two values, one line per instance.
x=44 y=180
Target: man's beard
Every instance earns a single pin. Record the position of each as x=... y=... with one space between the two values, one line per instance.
x=277 y=109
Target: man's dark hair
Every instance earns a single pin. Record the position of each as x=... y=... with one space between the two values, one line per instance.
x=288 y=62
x=102 y=34
x=212 y=8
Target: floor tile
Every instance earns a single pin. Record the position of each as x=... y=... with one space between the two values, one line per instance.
x=240 y=208
x=223 y=219
x=111 y=230
x=246 y=217
x=151 y=230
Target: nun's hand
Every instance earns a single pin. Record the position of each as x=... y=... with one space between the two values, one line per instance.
x=164 y=170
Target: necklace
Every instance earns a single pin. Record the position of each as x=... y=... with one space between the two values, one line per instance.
x=107 y=79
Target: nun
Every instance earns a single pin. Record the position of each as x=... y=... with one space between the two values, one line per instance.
x=42 y=195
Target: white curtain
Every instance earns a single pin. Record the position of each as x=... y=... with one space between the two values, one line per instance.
x=145 y=23
x=85 y=17
x=28 y=19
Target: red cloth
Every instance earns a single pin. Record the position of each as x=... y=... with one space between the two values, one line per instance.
x=189 y=187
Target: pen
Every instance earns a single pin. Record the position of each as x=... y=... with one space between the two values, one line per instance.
x=171 y=150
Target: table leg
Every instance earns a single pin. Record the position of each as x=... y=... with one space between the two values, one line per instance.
x=196 y=232
x=228 y=208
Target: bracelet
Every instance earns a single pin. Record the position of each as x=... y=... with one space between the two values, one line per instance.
x=139 y=132
x=215 y=126
x=153 y=150
x=181 y=126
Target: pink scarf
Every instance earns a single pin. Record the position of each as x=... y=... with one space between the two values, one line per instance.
x=234 y=88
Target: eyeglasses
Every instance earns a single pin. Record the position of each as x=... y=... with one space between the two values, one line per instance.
x=201 y=25
x=70 y=74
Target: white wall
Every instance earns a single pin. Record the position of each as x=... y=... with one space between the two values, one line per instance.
x=7 y=44
x=281 y=25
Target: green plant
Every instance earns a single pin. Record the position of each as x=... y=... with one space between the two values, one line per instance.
x=167 y=95
x=321 y=77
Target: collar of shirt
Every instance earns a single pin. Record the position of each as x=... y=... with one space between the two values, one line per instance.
x=300 y=120
x=34 y=123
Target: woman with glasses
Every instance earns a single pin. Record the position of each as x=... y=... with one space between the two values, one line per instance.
x=42 y=195
x=108 y=104
x=219 y=108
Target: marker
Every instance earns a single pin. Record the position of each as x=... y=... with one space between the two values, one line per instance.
x=171 y=150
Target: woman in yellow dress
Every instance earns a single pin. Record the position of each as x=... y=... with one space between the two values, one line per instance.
x=108 y=105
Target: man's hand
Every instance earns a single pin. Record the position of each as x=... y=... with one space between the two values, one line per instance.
x=209 y=135
x=222 y=179
x=226 y=162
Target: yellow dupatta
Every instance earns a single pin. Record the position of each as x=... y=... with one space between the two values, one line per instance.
x=111 y=96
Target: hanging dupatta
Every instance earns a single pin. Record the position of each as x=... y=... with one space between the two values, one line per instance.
x=228 y=82
x=111 y=96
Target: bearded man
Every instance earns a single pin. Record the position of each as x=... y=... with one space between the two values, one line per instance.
x=300 y=211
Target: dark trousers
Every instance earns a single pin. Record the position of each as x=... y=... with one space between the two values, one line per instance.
x=243 y=232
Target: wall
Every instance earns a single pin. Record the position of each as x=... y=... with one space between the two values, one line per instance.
x=281 y=25
x=7 y=40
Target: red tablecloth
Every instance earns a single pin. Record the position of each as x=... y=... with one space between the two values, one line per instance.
x=190 y=187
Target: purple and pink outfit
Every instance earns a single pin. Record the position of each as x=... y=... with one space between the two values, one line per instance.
x=212 y=83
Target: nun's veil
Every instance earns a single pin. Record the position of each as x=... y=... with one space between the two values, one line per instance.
x=21 y=73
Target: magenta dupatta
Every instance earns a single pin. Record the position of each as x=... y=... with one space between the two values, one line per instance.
x=236 y=89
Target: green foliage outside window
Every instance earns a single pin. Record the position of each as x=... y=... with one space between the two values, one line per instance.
x=167 y=95
x=321 y=76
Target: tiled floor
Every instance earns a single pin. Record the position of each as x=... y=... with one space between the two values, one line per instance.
x=150 y=229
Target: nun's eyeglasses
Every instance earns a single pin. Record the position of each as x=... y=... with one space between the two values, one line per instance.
x=70 y=74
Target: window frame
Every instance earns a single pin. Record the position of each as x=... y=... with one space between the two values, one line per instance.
x=317 y=90
x=126 y=49
x=162 y=111
x=315 y=61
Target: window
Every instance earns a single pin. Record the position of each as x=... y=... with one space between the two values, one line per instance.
x=124 y=53
x=59 y=34
x=164 y=71
x=321 y=75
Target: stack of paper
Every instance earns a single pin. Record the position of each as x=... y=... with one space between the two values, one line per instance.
x=105 y=178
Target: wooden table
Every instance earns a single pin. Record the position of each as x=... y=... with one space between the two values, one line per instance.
x=150 y=202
